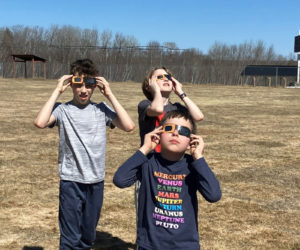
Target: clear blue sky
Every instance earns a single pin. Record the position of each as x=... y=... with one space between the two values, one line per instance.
x=188 y=23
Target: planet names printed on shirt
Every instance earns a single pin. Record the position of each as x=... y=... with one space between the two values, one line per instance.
x=168 y=209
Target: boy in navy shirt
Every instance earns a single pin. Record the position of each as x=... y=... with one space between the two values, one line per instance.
x=168 y=205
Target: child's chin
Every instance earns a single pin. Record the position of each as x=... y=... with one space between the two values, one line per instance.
x=175 y=150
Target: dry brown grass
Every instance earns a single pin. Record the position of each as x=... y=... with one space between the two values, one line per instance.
x=252 y=140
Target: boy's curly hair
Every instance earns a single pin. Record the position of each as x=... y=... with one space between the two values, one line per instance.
x=180 y=113
x=84 y=67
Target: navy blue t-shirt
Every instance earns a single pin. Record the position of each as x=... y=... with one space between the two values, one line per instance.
x=168 y=205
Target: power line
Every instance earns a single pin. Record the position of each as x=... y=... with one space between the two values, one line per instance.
x=115 y=47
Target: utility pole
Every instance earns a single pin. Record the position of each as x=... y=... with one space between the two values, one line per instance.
x=298 y=73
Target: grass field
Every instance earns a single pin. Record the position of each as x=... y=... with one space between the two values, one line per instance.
x=252 y=138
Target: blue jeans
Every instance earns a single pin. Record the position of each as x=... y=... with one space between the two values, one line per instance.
x=79 y=211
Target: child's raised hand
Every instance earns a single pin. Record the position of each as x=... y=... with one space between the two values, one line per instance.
x=177 y=86
x=61 y=86
x=103 y=86
x=151 y=140
x=196 y=146
x=152 y=85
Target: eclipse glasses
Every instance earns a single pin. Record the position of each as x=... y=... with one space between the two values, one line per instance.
x=86 y=80
x=170 y=128
x=161 y=77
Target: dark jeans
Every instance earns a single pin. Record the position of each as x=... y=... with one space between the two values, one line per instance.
x=79 y=212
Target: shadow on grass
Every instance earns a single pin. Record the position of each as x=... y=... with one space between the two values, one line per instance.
x=32 y=248
x=105 y=241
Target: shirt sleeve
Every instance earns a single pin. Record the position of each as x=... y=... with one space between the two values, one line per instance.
x=129 y=172
x=180 y=106
x=142 y=109
x=207 y=183
x=110 y=114
x=56 y=112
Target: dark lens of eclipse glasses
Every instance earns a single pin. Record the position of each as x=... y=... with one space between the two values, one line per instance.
x=160 y=77
x=181 y=130
x=90 y=81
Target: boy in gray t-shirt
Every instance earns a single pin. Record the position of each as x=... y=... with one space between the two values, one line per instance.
x=82 y=141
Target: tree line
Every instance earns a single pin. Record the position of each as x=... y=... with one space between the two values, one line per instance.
x=122 y=58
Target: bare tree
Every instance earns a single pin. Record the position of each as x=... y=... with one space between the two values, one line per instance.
x=7 y=46
x=121 y=58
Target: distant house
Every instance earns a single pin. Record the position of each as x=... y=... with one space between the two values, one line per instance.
x=274 y=75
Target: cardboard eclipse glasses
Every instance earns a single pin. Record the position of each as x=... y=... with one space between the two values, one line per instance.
x=86 y=80
x=170 y=128
x=163 y=76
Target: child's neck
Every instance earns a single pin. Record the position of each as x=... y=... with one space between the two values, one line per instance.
x=171 y=156
x=165 y=100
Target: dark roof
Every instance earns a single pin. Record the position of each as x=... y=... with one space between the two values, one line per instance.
x=30 y=57
x=270 y=70
x=297 y=44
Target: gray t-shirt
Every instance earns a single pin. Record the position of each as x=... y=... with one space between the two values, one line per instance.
x=82 y=140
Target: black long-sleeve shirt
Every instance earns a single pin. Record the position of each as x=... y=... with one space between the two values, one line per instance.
x=168 y=204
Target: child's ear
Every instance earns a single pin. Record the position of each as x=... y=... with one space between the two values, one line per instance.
x=147 y=86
